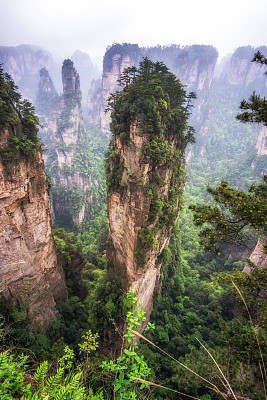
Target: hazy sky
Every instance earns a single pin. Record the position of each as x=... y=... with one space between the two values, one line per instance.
x=62 y=26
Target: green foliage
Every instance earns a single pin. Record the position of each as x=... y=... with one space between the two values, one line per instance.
x=114 y=168
x=233 y=337
x=257 y=107
x=18 y=116
x=75 y=197
x=66 y=361
x=67 y=244
x=88 y=164
x=250 y=285
x=158 y=152
x=89 y=342
x=12 y=376
x=104 y=301
x=154 y=101
x=259 y=58
x=130 y=365
x=237 y=211
x=16 y=383
x=146 y=237
x=153 y=96
x=57 y=380
x=16 y=332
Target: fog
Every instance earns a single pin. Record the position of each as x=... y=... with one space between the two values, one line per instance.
x=65 y=26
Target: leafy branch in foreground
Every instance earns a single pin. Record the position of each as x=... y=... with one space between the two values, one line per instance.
x=235 y=211
x=254 y=110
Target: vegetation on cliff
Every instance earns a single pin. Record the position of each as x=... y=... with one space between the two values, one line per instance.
x=154 y=97
x=18 y=116
x=153 y=102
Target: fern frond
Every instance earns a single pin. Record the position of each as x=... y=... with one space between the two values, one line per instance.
x=70 y=393
x=54 y=381
x=75 y=380
x=40 y=374
x=3 y=359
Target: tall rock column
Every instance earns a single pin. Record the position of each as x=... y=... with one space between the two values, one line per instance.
x=29 y=269
x=68 y=160
x=144 y=175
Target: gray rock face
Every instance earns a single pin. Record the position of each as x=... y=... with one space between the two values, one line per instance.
x=241 y=71
x=23 y=63
x=87 y=70
x=64 y=136
x=261 y=144
x=258 y=256
x=193 y=65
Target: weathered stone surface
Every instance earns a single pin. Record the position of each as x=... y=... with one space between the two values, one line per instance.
x=241 y=71
x=87 y=70
x=259 y=259
x=193 y=65
x=261 y=144
x=258 y=256
x=29 y=268
x=23 y=63
x=64 y=135
x=128 y=213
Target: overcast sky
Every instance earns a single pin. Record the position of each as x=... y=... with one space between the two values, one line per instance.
x=63 y=26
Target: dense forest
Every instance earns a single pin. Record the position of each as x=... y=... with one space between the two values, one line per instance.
x=206 y=336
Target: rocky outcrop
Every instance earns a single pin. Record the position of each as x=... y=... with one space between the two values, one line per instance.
x=87 y=70
x=193 y=65
x=95 y=102
x=48 y=102
x=234 y=78
x=261 y=144
x=137 y=240
x=241 y=71
x=29 y=269
x=144 y=180
x=64 y=135
x=23 y=63
x=258 y=256
x=128 y=214
x=258 y=259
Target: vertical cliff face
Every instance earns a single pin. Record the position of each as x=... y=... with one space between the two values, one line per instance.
x=144 y=177
x=258 y=256
x=241 y=71
x=48 y=102
x=94 y=104
x=87 y=70
x=193 y=65
x=261 y=144
x=23 y=63
x=68 y=159
x=137 y=239
x=29 y=269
